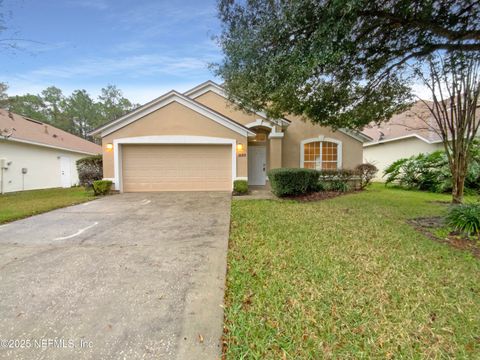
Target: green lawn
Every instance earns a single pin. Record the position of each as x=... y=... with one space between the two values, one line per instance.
x=14 y=206
x=347 y=278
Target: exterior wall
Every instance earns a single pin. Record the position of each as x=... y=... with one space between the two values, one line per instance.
x=299 y=130
x=173 y=119
x=383 y=155
x=42 y=163
x=275 y=153
x=223 y=106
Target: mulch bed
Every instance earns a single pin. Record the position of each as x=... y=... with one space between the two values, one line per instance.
x=428 y=225
x=318 y=196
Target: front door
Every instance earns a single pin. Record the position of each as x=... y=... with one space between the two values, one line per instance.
x=257 y=163
x=65 y=176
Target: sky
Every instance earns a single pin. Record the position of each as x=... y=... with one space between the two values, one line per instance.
x=145 y=47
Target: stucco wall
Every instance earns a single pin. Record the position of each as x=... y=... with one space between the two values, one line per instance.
x=43 y=166
x=383 y=155
x=301 y=130
x=297 y=131
x=223 y=106
x=173 y=119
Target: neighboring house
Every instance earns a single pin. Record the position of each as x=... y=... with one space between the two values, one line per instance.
x=200 y=141
x=406 y=134
x=34 y=155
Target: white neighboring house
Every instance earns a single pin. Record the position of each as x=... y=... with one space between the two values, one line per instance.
x=405 y=135
x=34 y=155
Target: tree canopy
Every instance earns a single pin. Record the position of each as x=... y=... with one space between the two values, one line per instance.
x=78 y=113
x=341 y=63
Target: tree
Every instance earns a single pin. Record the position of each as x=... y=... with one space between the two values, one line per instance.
x=29 y=105
x=3 y=95
x=77 y=113
x=54 y=102
x=112 y=104
x=82 y=113
x=454 y=81
x=340 y=63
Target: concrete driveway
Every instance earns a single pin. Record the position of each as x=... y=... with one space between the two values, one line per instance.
x=130 y=276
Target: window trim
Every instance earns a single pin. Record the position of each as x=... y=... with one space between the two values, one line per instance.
x=321 y=138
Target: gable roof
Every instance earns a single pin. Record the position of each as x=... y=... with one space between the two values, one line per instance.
x=168 y=98
x=212 y=86
x=14 y=127
x=415 y=122
x=218 y=89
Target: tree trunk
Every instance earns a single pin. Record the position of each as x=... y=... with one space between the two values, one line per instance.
x=458 y=188
x=459 y=173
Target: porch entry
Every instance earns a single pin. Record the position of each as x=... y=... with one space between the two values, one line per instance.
x=257 y=165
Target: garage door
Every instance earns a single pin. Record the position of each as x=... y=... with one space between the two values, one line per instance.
x=177 y=168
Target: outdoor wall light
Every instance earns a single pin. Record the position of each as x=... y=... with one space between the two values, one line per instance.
x=109 y=147
x=239 y=148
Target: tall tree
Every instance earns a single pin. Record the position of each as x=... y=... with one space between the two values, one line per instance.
x=113 y=104
x=55 y=102
x=82 y=113
x=28 y=105
x=340 y=63
x=454 y=82
x=3 y=95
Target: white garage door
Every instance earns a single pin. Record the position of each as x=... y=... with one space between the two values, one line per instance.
x=177 y=168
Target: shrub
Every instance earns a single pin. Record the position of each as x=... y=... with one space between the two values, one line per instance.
x=431 y=172
x=90 y=169
x=366 y=172
x=240 y=186
x=336 y=180
x=289 y=181
x=338 y=185
x=321 y=186
x=102 y=187
x=465 y=218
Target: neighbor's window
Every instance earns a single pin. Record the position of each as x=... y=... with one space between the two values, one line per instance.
x=320 y=155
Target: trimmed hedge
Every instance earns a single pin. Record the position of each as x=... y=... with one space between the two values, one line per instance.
x=240 y=187
x=90 y=169
x=293 y=181
x=102 y=187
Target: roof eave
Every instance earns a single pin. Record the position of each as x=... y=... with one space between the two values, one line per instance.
x=163 y=101
x=36 y=143
x=219 y=90
x=356 y=135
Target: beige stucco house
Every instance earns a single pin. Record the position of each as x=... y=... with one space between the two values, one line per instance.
x=199 y=140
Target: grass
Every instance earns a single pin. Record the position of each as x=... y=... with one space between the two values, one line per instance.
x=14 y=206
x=347 y=278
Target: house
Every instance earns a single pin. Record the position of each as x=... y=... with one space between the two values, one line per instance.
x=406 y=134
x=199 y=140
x=35 y=155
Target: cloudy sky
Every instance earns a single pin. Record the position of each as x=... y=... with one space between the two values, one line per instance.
x=145 y=47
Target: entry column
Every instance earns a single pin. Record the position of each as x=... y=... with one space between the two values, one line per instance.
x=276 y=140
